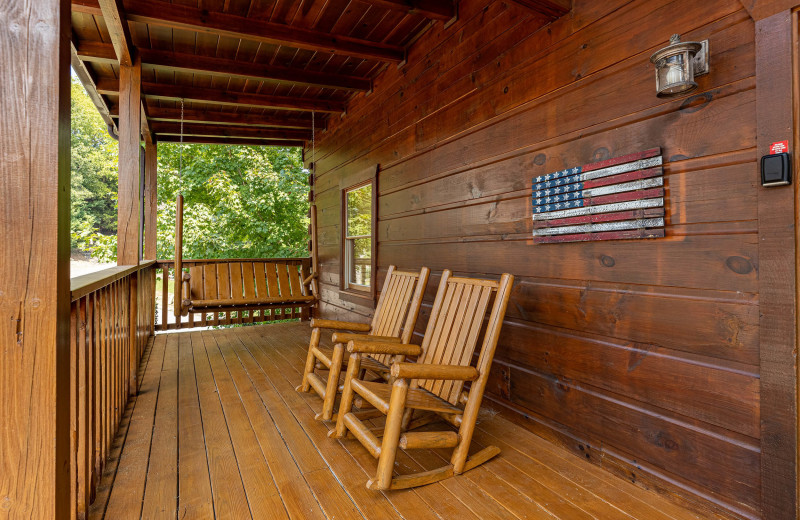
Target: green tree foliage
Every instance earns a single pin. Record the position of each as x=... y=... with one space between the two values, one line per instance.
x=239 y=201
x=94 y=178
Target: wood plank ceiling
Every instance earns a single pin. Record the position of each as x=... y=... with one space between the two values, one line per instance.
x=248 y=71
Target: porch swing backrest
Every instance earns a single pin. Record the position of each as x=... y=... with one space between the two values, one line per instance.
x=224 y=284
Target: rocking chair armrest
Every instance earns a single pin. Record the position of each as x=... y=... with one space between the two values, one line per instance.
x=340 y=325
x=345 y=337
x=381 y=347
x=430 y=371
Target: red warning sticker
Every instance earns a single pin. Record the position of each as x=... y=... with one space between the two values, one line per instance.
x=779 y=147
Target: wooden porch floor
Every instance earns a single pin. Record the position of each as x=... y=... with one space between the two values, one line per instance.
x=218 y=431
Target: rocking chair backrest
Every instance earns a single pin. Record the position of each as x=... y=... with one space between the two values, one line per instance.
x=398 y=305
x=453 y=329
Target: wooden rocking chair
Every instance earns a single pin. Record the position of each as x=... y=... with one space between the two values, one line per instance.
x=398 y=308
x=434 y=383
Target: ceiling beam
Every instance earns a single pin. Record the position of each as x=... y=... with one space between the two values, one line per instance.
x=177 y=16
x=88 y=81
x=86 y=7
x=228 y=118
x=232 y=118
x=118 y=30
x=195 y=129
x=550 y=8
x=110 y=86
x=167 y=60
x=434 y=9
x=230 y=141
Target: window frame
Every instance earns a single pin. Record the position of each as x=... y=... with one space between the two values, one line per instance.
x=348 y=291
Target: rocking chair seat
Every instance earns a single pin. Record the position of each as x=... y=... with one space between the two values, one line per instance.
x=378 y=395
x=325 y=356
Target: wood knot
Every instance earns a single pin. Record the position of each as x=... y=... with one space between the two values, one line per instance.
x=607 y=261
x=739 y=264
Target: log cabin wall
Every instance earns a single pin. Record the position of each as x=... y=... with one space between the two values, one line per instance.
x=640 y=355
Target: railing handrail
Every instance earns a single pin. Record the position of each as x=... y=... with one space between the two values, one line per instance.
x=88 y=283
x=222 y=260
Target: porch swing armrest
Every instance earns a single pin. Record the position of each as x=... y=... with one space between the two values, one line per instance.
x=309 y=279
x=431 y=371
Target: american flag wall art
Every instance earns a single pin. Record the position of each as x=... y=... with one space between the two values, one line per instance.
x=615 y=199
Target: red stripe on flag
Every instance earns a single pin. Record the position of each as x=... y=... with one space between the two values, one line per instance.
x=607 y=235
x=624 y=196
x=623 y=177
x=600 y=217
x=622 y=160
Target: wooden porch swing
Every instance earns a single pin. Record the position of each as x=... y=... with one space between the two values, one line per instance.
x=240 y=284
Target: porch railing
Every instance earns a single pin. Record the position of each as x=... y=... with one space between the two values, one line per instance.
x=111 y=321
x=166 y=319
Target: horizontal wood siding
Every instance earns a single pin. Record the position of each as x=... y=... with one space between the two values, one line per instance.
x=642 y=356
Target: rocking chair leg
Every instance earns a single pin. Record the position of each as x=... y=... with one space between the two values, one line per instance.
x=305 y=386
x=391 y=436
x=333 y=383
x=346 y=404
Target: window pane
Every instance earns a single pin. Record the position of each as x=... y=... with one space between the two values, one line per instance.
x=359 y=211
x=361 y=260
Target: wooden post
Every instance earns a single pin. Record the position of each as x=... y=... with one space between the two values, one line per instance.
x=776 y=273
x=129 y=200
x=34 y=279
x=151 y=200
x=178 y=295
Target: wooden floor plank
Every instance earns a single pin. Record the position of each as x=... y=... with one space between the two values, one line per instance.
x=606 y=487
x=262 y=494
x=194 y=485
x=346 y=469
x=332 y=497
x=161 y=489
x=408 y=503
x=128 y=491
x=295 y=493
x=227 y=489
x=218 y=422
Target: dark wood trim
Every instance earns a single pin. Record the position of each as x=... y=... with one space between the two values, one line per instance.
x=173 y=128
x=210 y=95
x=176 y=16
x=299 y=121
x=35 y=352
x=118 y=30
x=129 y=200
x=434 y=9
x=362 y=178
x=776 y=274
x=550 y=8
x=151 y=200
x=235 y=141
x=166 y=60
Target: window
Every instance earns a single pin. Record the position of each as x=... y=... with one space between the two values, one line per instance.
x=358 y=238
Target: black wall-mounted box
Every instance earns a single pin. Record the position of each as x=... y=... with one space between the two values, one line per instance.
x=776 y=169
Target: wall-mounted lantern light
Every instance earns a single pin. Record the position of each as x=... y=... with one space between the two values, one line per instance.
x=678 y=64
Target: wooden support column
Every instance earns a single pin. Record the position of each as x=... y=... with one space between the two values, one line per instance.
x=129 y=203
x=150 y=200
x=34 y=279
x=776 y=273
